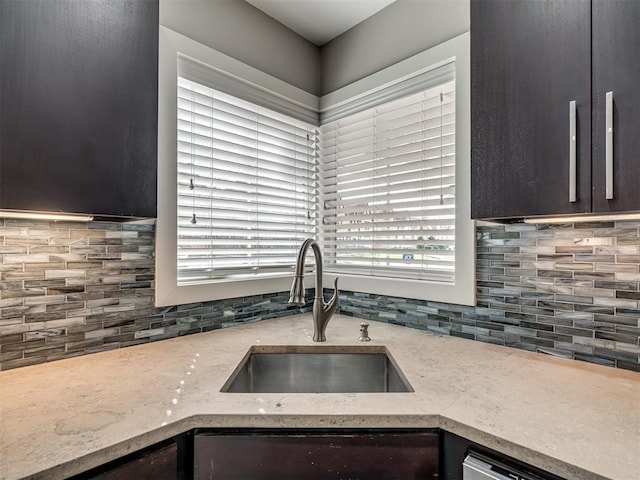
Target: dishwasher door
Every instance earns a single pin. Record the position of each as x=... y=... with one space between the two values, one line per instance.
x=476 y=468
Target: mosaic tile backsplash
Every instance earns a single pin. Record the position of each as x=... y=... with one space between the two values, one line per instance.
x=568 y=290
x=69 y=289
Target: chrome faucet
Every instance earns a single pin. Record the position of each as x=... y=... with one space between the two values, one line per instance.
x=322 y=311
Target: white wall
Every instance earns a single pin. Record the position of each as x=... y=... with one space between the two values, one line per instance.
x=243 y=32
x=403 y=29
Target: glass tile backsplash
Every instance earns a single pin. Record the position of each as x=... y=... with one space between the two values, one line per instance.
x=69 y=289
x=568 y=290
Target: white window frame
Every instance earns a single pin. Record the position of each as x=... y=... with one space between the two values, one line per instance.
x=462 y=290
x=168 y=291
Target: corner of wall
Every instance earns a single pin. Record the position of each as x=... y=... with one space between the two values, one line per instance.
x=245 y=33
x=403 y=29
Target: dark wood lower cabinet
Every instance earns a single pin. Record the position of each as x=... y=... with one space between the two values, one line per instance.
x=158 y=462
x=311 y=454
x=316 y=455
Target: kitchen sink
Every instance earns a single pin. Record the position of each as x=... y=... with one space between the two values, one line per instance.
x=317 y=369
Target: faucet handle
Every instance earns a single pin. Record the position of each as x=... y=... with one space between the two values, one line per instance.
x=364 y=332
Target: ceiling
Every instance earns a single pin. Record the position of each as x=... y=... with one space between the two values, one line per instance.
x=320 y=21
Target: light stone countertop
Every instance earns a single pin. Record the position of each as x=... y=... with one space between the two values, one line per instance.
x=574 y=419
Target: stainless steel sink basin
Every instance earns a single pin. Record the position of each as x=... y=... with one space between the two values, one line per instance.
x=317 y=369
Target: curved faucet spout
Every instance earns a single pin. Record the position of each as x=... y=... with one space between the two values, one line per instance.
x=322 y=311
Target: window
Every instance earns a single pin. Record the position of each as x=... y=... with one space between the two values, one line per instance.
x=240 y=186
x=395 y=179
x=389 y=188
x=247 y=186
x=220 y=118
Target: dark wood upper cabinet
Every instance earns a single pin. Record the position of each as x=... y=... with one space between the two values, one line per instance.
x=529 y=60
x=616 y=69
x=78 y=106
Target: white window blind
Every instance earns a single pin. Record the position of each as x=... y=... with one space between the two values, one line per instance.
x=389 y=188
x=247 y=186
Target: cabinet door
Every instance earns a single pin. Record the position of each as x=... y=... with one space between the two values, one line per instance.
x=529 y=59
x=616 y=69
x=328 y=456
x=78 y=89
x=158 y=462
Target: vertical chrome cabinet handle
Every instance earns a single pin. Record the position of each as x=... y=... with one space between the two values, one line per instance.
x=572 y=151
x=609 y=146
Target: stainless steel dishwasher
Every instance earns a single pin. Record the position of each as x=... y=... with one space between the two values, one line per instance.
x=477 y=467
